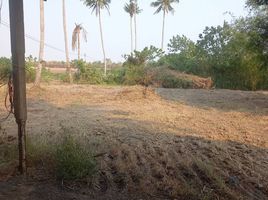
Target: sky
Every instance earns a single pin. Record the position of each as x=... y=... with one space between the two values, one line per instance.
x=190 y=19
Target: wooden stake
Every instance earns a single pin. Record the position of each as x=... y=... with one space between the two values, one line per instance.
x=18 y=75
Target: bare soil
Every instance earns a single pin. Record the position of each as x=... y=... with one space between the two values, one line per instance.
x=165 y=144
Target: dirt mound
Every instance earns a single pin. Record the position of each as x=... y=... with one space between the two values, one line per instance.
x=167 y=78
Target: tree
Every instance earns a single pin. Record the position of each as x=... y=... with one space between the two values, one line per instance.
x=76 y=37
x=42 y=44
x=165 y=6
x=129 y=8
x=66 y=42
x=180 y=44
x=97 y=6
x=257 y=2
x=132 y=9
x=137 y=11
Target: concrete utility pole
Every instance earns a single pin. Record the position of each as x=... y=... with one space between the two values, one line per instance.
x=18 y=75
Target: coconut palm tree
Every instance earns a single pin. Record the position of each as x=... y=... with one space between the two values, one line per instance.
x=68 y=67
x=165 y=6
x=76 y=37
x=41 y=45
x=97 y=6
x=132 y=9
x=137 y=11
x=129 y=8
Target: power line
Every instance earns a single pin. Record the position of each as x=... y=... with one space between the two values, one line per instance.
x=38 y=41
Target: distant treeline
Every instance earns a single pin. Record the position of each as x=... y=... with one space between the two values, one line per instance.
x=234 y=56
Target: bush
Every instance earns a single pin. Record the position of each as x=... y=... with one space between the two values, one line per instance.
x=5 y=69
x=182 y=63
x=73 y=161
x=115 y=76
x=134 y=74
x=30 y=64
x=88 y=73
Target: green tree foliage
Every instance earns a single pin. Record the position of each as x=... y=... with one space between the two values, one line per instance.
x=185 y=56
x=256 y=3
x=148 y=54
x=181 y=44
x=234 y=55
x=136 y=65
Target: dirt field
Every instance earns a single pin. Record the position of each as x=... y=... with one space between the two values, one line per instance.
x=167 y=144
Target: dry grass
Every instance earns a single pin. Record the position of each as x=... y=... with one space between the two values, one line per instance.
x=184 y=144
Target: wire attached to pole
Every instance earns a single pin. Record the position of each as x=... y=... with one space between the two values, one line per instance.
x=9 y=97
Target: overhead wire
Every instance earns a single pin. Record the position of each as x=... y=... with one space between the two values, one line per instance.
x=10 y=89
x=38 y=41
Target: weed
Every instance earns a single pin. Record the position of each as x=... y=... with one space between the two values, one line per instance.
x=73 y=161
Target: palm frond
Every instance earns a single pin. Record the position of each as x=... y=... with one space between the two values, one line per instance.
x=164 y=5
x=130 y=8
x=75 y=37
x=97 y=5
x=158 y=10
x=77 y=30
x=156 y=3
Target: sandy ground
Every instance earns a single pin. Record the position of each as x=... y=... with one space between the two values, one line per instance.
x=167 y=144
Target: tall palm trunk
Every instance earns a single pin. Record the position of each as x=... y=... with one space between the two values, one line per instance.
x=78 y=44
x=131 y=33
x=163 y=29
x=66 y=42
x=102 y=43
x=135 y=24
x=41 y=45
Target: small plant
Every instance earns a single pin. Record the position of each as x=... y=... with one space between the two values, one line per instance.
x=5 y=69
x=88 y=73
x=115 y=76
x=73 y=161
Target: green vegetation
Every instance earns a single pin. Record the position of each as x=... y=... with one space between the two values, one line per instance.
x=233 y=55
x=67 y=159
x=5 y=68
x=73 y=161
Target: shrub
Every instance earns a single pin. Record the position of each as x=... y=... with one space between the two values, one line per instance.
x=5 y=69
x=73 y=161
x=88 y=73
x=115 y=76
x=30 y=64
x=134 y=74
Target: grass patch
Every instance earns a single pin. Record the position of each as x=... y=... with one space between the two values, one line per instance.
x=8 y=153
x=73 y=161
x=212 y=180
x=67 y=158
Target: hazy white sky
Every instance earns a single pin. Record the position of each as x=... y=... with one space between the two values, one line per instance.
x=190 y=19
